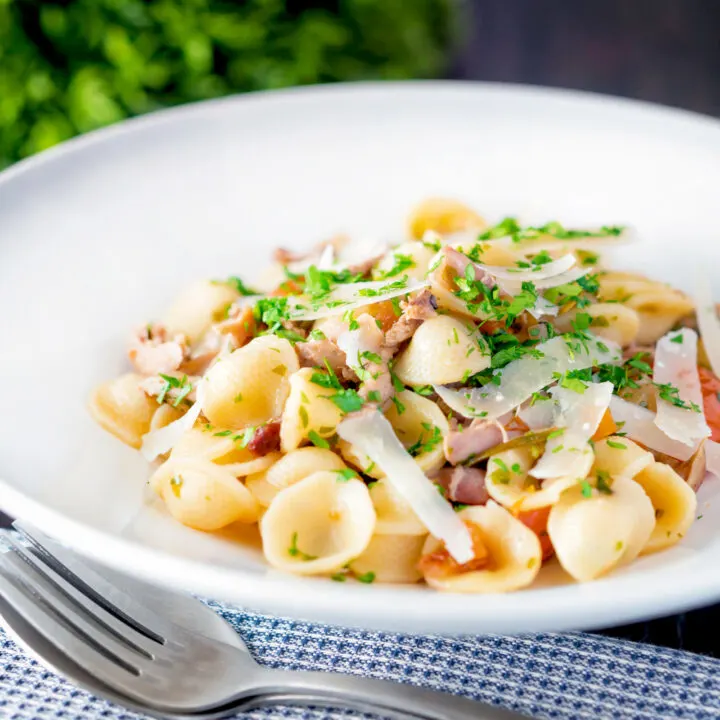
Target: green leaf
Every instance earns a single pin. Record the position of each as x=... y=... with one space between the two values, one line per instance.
x=318 y=441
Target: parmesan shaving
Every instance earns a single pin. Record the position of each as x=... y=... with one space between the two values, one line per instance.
x=537 y=272
x=639 y=424
x=712 y=458
x=513 y=288
x=527 y=375
x=567 y=451
x=351 y=296
x=372 y=434
x=675 y=368
x=367 y=338
x=160 y=441
x=708 y=322
x=540 y=415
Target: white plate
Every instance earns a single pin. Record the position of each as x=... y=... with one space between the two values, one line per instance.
x=98 y=235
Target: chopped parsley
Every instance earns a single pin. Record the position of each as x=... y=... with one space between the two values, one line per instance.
x=374 y=396
x=318 y=441
x=317 y=335
x=426 y=445
x=616 y=445
x=586 y=488
x=238 y=398
x=182 y=384
x=368 y=577
x=239 y=286
x=677 y=339
x=347 y=400
x=402 y=263
x=603 y=482
x=294 y=550
x=346 y=474
x=670 y=393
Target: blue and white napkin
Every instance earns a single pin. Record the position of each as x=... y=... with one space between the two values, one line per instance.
x=571 y=675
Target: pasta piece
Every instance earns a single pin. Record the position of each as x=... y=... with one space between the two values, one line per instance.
x=509 y=483
x=318 y=525
x=308 y=411
x=197 y=308
x=674 y=503
x=250 y=386
x=394 y=515
x=165 y=415
x=413 y=258
x=443 y=350
x=620 y=457
x=250 y=467
x=658 y=305
x=513 y=554
x=610 y=321
x=123 y=409
x=298 y=464
x=593 y=535
x=261 y=489
x=390 y=559
x=202 y=495
x=443 y=216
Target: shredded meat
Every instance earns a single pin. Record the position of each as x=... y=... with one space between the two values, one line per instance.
x=415 y=312
x=265 y=439
x=240 y=325
x=153 y=351
x=314 y=353
x=479 y=436
x=463 y=484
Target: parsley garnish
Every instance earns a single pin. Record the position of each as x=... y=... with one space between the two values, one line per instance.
x=237 y=284
x=368 y=577
x=346 y=474
x=402 y=263
x=317 y=334
x=586 y=488
x=670 y=393
x=318 y=441
x=347 y=400
x=424 y=445
x=677 y=339
x=616 y=445
x=294 y=550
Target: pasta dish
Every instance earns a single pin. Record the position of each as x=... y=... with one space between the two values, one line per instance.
x=459 y=408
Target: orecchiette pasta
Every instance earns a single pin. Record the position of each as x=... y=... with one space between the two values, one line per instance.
x=674 y=504
x=509 y=483
x=197 y=308
x=308 y=412
x=443 y=216
x=251 y=385
x=203 y=495
x=592 y=535
x=511 y=555
x=123 y=409
x=391 y=559
x=318 y=525
x=454 y=408
x=443 y=350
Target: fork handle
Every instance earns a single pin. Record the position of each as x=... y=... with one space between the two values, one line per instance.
x=393 y=700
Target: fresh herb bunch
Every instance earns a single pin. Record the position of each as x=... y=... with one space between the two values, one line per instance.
x=69 y=66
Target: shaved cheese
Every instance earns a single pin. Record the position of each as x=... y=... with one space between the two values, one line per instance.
x=549 y=242
x=676 y=365
x=358 y=253
x=366 y=338
x=527 y=375
x=567 y=451
x=712 y=457
x=543 y=307
x=513 y=288
x=160 y=441
x=537 y=272
x=351 y=296
x=639 y=424
x=372 y=434
x=540 y=415
x=708 y=322
x=326 y=259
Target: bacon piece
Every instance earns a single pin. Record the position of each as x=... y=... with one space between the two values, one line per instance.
x=415 y=311
x=464 y=485
x=536 y=520
x=265 y=439
x=314 y=353
x=152 y=351
x=479 y=436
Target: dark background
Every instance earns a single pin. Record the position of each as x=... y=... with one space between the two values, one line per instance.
x=665 y=51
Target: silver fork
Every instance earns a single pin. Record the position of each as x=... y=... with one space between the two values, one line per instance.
x=166 y=667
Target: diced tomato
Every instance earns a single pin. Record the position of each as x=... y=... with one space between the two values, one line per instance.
x=606 y=427
x=384 y=313
x=289 y=287
x=440 y=564
x=536 y=520
x=710 y=386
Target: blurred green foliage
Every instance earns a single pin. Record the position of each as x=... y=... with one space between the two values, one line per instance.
x=69 y=66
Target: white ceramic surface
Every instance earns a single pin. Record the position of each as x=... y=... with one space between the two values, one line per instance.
x=98 y=235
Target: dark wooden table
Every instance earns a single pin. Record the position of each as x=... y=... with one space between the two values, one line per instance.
x=665 y=51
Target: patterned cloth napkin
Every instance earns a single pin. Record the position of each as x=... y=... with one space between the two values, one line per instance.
x=571 y=675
